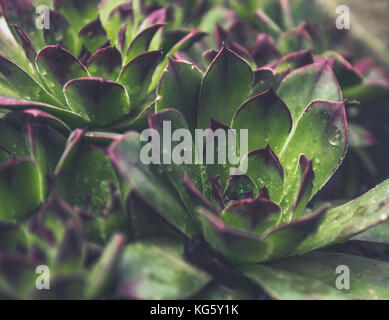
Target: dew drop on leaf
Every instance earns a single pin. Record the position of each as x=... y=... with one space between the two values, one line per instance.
x=335 y=136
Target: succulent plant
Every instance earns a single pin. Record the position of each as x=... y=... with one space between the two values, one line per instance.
x=76 y=197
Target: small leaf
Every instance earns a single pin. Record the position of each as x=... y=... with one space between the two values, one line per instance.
x=224 y=87
x=319 y=84
x=264 y=169
x=141 y=42
x=238 y=188
x=93 y=35
x=236 y=245
x=179 y=89
x=98 y=100
x=157 y=270
x=264 y=50
x=136 y=75
x=58 y=66
x=285 y=238
x=105 y=63
x=359 y=137
x=19 y=179
x=267 y=119
x=254 y=215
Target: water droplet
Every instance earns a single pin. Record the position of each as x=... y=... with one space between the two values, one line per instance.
x=335 y=136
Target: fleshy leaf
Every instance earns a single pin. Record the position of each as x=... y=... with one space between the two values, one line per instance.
x=93 y=35
x=253 y=215
x=141 y=42
x=26 y=86
x=237 y=246
x=151 y=185
x=264 y=50
x=84 y=175
x=80 y=12
x=98 y=100
x=286 y=237
x=19 y=179
x=285 y=285
x=58 y=66
x=172 y=120
x=267 y=119
x=322 y=136
x=224 y=87
x=60 y=32
x=265 y=170
x=46 y=146
x=11 y=143
x=350 y=219
x=27 y=45
x=179 y=89
x=239 y=188
x=105 y=63
x=72 y=119
x=368 y=276
x=360 y=137
x=101 y=276
x=157 y=270
x=136 y=75
x=22 y=13
x=320 y=84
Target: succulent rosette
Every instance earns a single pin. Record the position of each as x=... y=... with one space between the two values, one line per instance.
x=75 y=195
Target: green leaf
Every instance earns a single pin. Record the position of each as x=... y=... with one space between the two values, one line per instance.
x=11 y=142
x=179 y=89
x=101 y=276
x=19 y=179
x=141 y=42
x=267 y=119
x=175 y=121
x=264 y=169
x=79 y=12
x=368 y=277
x=60 y=32
x=72 y=119
x=254 y=215
x=224 y=87
x=319 y=84
x=84 y=175
x=236 y=245
x=136 y=75
x=157 y=270
x=285 y=285
x=350 y=219
x=22 y=82
x=46 y=146
x=58 y=66
x=321 y=135
x=285 y=238
x=22 y=13
x=379 y=233
x=105 y=63
x=151 y=185
x=98 y=100
x=93 y=35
